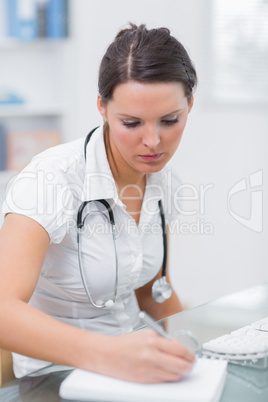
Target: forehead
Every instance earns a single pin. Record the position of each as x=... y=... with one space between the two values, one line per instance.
x=157 y=99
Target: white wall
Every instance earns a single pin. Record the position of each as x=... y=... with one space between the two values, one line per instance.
x=222 y=145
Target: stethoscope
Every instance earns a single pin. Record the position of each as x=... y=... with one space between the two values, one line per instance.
x=161 y=289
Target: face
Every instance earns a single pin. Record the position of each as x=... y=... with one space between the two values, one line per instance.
x=146 y=123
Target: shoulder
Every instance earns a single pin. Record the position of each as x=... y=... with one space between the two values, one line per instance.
x=60 y=165
x=63 y=157
x=48 y=190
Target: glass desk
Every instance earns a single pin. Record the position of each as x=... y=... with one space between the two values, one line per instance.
x=243 y=384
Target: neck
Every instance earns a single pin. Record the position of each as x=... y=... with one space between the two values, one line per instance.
x=130 y=187
x=128 y=181
x=124 y=175
x=128 y=178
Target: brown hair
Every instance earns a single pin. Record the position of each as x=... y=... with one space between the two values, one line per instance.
x=145 y=55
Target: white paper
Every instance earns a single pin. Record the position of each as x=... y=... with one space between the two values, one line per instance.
x=204 y=384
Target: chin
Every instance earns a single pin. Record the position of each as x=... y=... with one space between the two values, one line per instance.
x=152 y=168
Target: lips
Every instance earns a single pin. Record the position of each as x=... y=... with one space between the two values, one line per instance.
x=151 y=158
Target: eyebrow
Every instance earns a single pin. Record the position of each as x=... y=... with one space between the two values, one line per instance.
x=172 y=113
x=138 y=118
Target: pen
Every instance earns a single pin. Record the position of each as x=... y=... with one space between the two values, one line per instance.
x=153 y=324
x=185 y=337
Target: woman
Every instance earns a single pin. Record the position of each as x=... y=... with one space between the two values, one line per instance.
x=146 y=83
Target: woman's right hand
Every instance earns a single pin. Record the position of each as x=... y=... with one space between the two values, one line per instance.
x=144 y=357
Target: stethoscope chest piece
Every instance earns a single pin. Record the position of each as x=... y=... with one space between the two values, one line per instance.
x=161 y=290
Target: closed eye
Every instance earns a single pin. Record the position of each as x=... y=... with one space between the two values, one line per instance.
x=165 y=122
x=130 y=124
x=169 y=122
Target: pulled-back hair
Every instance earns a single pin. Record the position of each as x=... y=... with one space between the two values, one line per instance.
x=145 y=55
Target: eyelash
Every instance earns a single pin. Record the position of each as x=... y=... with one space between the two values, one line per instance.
x=164 y=122
x=170 y=122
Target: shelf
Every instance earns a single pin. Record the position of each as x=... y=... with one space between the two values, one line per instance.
x=10 y=43
x=21 y=110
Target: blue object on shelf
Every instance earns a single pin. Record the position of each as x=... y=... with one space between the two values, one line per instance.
x=27 y=19
x=12 y=19
x=57 y=17
x=30 y=19
x=10 y=98
x=22 y=19
x=42 y=18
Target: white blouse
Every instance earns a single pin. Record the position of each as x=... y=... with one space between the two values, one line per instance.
x=50 y=190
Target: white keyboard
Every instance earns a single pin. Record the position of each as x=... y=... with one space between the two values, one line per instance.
x=247 y=345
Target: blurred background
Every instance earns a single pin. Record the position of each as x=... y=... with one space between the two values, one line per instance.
x=50 y=52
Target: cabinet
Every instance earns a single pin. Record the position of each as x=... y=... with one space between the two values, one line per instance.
x=35 y=72
x=35 y=81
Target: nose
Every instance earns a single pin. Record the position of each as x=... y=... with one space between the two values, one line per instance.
x=151 y=136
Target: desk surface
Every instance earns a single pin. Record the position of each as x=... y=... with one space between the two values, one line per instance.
x=206 y=322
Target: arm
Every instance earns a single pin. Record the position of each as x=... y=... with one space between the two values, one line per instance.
x=142 y=356
x=23 y=245
x=158 y=310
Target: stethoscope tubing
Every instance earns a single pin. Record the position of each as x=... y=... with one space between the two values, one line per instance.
x=163 y=222
x=80 y=224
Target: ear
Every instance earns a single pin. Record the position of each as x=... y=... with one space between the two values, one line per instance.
x=101 y=107
x=191 y=104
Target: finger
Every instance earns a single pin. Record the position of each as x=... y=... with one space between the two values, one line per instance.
x=174 y=364
x=161 y=375
x=171 y=359
x=174 y=347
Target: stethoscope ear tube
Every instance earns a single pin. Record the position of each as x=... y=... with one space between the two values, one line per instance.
x=80 y=225
x=108 y=303
x=79 y=222
x=87 y=140
x=164 y=231
x=82 y=271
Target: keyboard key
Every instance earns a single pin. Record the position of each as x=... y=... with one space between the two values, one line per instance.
x=249 y=342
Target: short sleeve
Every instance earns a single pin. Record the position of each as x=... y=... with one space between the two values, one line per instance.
x=42 y=192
